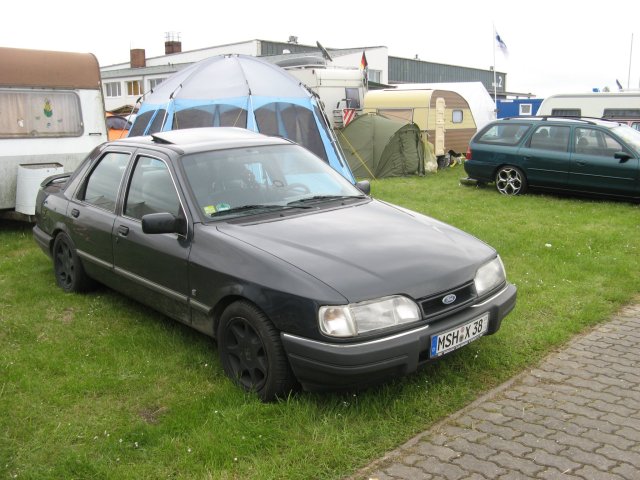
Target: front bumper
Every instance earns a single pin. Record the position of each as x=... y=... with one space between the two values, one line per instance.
x=322 y=365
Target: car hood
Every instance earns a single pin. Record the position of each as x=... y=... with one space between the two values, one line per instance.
x=370 y=250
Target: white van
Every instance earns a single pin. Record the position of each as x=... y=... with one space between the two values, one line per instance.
x=623 y=107
x=51 y=114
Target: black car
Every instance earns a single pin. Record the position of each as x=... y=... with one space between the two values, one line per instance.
x=579 y=155
x=299 y=275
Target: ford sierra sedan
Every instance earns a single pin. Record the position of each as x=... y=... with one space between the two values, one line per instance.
x=301 y=277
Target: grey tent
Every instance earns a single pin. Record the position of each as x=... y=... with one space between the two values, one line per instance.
x=376 y=147
x=240 y=91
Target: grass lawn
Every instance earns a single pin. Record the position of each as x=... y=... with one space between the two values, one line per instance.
x=96 y=386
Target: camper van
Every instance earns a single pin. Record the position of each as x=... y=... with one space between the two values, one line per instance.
x=623 y=107
x=443 y=116
x=51 y=116
x=341 y=90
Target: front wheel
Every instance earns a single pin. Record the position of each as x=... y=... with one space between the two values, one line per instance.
x=510 y=181
x=251 y=352
x=70 y=274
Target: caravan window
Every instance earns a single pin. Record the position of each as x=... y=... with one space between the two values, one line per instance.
x=457 y=116
x=566 y=112
x=39 y=113
x=353 y=97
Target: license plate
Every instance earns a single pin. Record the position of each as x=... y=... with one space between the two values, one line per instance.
x=459 y=336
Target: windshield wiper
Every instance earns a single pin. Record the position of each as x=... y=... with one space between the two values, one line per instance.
x=243 y=208
x=316 y=198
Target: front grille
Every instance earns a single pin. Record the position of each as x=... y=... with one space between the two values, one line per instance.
x=433 y=307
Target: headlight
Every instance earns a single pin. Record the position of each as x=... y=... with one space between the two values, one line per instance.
x=489 y=276
x=356 y=318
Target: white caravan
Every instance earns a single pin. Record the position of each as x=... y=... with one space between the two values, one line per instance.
x=51 y=116
x=622 y=107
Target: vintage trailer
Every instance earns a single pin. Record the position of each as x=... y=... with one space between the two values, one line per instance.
x=51 y=116
x=443 y=115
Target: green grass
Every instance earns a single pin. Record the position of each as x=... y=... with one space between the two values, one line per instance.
x=97 y=386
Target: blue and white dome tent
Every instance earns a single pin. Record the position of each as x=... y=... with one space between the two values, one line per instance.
x=241 y=91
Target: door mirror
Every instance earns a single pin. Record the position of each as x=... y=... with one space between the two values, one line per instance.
x=364 y=186
x=161 y=223
x=622 y=156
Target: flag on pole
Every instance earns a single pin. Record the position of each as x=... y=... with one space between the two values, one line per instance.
x=364 y=67
x=501 y=45
x=363 y=62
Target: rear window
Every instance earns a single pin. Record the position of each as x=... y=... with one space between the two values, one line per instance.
x=503 y=133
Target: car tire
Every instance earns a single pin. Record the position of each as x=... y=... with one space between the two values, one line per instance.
x=67 y=266
x=251 y=352
x=510 y=181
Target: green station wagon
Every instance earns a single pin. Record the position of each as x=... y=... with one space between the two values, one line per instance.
x=580 y=155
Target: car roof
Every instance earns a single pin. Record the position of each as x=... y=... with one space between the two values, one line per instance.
x=560 y=119
x=207 y=138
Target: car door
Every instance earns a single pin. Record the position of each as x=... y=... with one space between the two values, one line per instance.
x=153 y=266
x=92 y=212
x=545 y=156
x=594 y=167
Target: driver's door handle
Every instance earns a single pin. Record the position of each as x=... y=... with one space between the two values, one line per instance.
x=122 y=230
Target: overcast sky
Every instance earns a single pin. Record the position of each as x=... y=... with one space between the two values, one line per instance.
x=555 y=46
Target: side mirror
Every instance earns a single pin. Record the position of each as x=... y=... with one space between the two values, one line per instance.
x=622 y=156
x=161 y=223
x=364 y=186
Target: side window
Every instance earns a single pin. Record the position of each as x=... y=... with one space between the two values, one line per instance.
x=595 y=142
x=457 y=116
x=101 y=188
x=151 y=190
x=554 y=137
x=504 y=133
x=559 y=138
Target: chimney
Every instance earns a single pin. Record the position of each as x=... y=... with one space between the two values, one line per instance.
x=172 y=43
x=138 y=58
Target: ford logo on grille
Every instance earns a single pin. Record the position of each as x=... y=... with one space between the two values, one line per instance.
x=449 y=299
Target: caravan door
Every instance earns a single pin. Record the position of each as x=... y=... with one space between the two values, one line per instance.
x=440 y=130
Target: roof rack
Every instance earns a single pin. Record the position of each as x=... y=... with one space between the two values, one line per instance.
x=587 y=120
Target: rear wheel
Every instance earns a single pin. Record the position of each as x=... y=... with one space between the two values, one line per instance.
x=511 y=181
x=70 y=274
x=251 y=352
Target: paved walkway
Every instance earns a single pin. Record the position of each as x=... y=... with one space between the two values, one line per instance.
x=576 y=416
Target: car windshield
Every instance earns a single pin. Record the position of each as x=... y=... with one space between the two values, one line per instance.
x=630 y=136
x=246 y=181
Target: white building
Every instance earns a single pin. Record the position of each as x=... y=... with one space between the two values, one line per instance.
x=125 y=83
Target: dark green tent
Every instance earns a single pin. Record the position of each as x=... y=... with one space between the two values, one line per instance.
x=377 y=147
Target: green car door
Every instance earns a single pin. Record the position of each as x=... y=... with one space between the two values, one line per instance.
x=601 y=163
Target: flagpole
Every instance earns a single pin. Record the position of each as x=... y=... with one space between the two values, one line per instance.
x=630 y=58
x=495 y=83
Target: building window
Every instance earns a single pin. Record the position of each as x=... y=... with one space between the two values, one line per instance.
x=374 y=76
x=525 y=109
x=134 y=88
x=154 y=82
x=112 y=89
x=456 y=116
